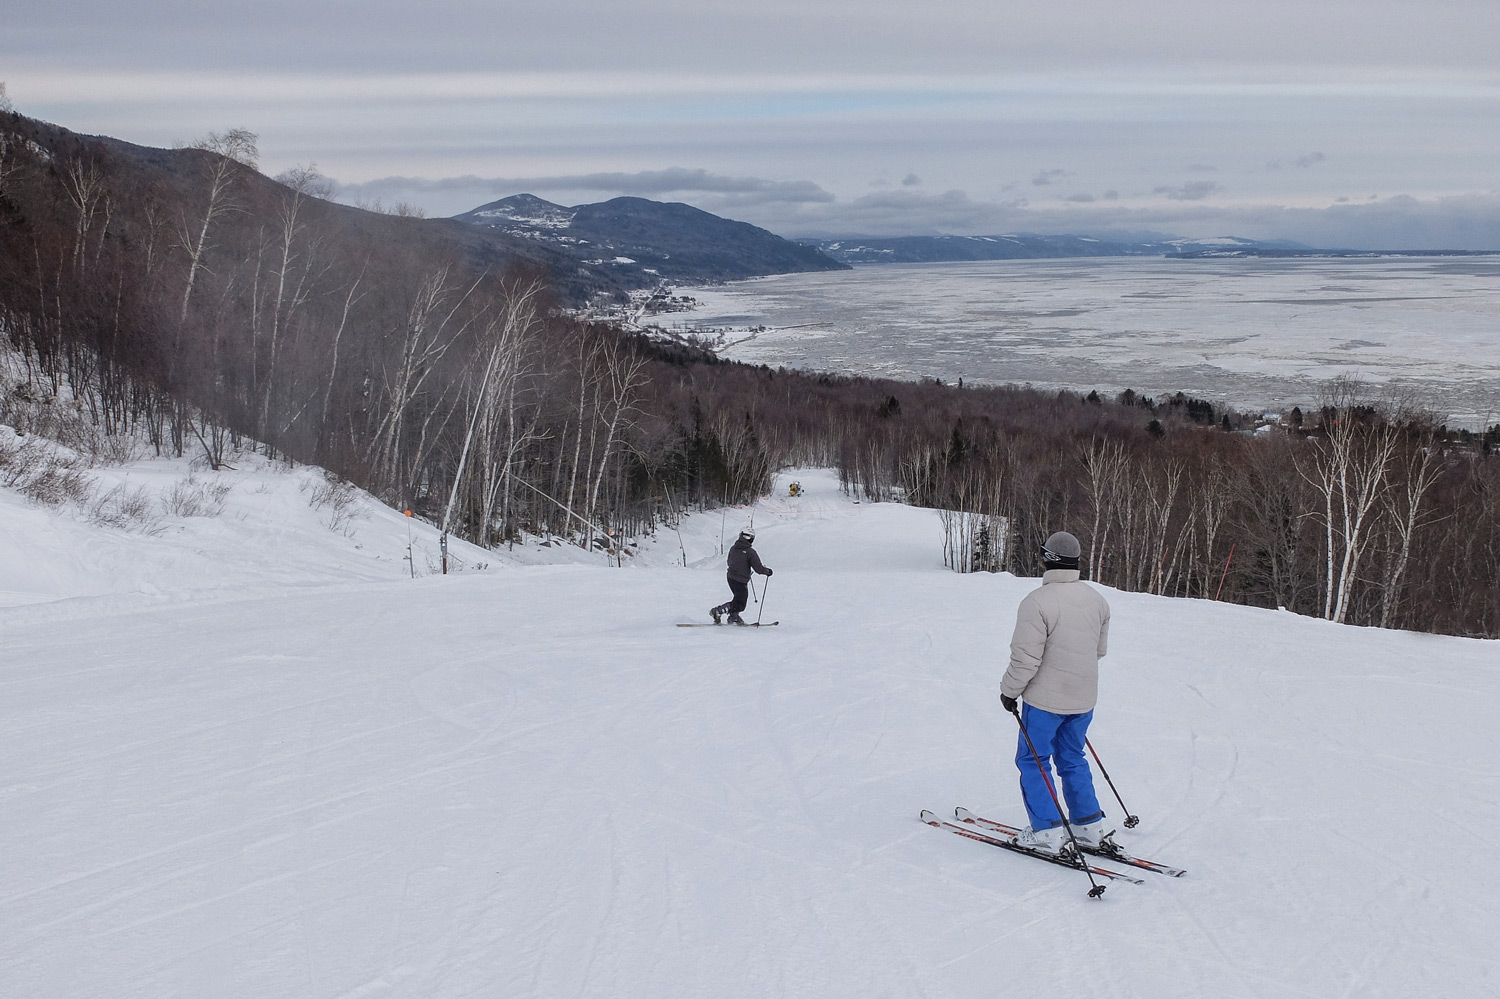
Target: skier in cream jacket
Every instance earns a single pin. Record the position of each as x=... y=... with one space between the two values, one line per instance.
x=1062 y=631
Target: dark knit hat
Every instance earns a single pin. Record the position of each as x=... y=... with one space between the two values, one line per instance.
x=1061 y=551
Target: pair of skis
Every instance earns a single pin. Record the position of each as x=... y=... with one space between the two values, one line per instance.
x=751 y=624
x=965 y=823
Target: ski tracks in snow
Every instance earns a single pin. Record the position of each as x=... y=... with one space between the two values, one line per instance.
x=529 y=783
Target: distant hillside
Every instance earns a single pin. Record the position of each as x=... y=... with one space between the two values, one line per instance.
x=1030 y=246
x=643 y=240
x=138 y=176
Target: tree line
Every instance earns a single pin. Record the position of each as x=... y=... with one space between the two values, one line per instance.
x=182 y=297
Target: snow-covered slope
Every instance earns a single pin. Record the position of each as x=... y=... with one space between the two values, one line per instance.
x=526 y=781
x=259 y=526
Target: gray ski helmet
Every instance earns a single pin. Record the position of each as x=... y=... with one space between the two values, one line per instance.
x=749 y=536
x=1061 y=551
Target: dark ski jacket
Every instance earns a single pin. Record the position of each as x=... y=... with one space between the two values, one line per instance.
x=742 y=559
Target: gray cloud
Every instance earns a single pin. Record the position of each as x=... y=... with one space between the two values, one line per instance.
x=1195 y=190
x=1080 y=198
x=642 y=183
x=450 y=195
x=1045 y=177
x=1202 y=168
x=1311 y=158
x=1469 y=222
x=906 y=212
x=911 y=180
x=469 y=34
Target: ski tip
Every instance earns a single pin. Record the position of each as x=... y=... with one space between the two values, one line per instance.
x=963 y=814
x=929 y=818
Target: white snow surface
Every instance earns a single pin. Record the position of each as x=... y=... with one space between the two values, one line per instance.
x=252 y=757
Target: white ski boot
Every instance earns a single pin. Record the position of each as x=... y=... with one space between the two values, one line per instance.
x=1093 y=836
x=1051 y=841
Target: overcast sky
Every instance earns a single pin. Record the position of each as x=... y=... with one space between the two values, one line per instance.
x=1372 y=123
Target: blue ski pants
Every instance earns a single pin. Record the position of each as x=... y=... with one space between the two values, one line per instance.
x=1059 y=742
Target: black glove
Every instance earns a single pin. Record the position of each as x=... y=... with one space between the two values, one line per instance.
x=1009 y=703
x=768 y=572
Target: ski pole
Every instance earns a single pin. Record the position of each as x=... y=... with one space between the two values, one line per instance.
x=1131 y=821
x=1097 y=890
x=753 y=595
x=763 y=601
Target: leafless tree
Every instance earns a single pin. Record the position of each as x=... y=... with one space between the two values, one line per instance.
x=229 y=152
x=430 y=329
x=1213 y=497
x=350 y=299
x=1348 y=465
x=84 y=185
x=294 y=275
x=624 y=373
x=1104 y=465
x=1420 y=467
x=1161 y=492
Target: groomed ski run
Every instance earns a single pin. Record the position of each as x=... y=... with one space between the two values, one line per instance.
x=250 y=758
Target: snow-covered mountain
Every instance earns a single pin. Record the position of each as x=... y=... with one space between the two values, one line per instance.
x=523 y=212
x=647 y=239
x=246 y=754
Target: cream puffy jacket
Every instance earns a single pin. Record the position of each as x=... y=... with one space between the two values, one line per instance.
x=1062 y=629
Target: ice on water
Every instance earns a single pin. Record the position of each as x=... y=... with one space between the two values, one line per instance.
x=1251 y=332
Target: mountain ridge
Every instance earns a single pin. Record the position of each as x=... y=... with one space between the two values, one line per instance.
x=644 y=239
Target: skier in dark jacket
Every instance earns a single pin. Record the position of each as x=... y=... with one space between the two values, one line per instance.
x=742 y=561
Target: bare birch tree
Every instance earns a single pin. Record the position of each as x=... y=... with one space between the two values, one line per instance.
x=1104 y=465
x=294 y=276
x=84 y=186
x=1349 y=467
x=1161 y=494
x=1212 y=496
x=624 y=374
x=231 y=151
x=1421 y=467
x=426 y=335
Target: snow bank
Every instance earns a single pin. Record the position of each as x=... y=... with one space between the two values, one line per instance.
x=256 y=527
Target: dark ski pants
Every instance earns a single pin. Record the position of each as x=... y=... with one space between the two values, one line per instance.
x=1059 y=741
x=741 y=591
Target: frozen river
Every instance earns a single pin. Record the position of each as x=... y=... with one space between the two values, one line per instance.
x=1253 y=333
